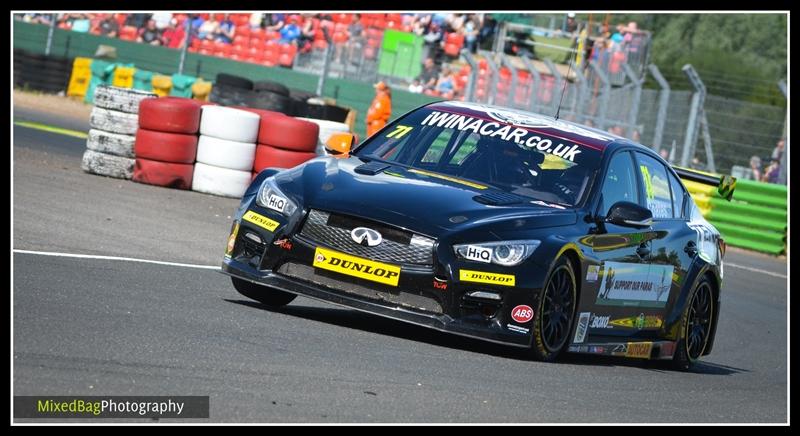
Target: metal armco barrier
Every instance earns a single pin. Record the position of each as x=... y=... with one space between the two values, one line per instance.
x=756 y=217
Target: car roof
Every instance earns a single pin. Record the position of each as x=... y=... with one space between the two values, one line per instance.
x=575 y=132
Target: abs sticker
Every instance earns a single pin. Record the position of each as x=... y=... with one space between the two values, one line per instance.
x=276 y=203
x=580 y=330
x=522 y=314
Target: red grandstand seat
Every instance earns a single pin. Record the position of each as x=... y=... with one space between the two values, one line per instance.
x=243 y=31
x=272 y=35
x=241 y=40
x=128 y=33
x=286 y=60
x=239 y=52
x=258 y=34
x=207 y=44
x=319 y=44
x=121 y=19
x=257 y=43
x=339 y=38
x=370 y=52
x=451 y=50
x=343 y=18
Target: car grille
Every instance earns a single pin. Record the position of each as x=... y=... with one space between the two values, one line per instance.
x=320 y=278
x=398 y=246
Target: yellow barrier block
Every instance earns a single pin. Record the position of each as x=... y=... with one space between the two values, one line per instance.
x=162 y=85
x=699 y=188
x=123 y=77
x=201 y=90
x=80 y=77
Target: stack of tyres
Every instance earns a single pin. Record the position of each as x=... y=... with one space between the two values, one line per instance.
x=225 y=151
x=271 y=96
x=230 y=90
x=284 y=142
x=113 y=123
x=166 y=142
x=41 y=73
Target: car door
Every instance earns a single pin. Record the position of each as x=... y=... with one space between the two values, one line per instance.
x=617 y=258
x=675 y=243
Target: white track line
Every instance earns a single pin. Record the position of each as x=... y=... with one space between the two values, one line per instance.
x=190 y=265
x=747 y=268
x=128 y=259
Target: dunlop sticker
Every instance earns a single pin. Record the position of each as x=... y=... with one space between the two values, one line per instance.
x=260 y=220
x=356 y=266
x=466 y=275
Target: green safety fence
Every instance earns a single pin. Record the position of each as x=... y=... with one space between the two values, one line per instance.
x=756 y=218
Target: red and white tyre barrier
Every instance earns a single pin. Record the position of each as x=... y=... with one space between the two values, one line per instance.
x=170 y=114
x=107 y=164
x=166 y=174
x=220 y=181
x=226 y=154
x=228 y=123
x=166 y=146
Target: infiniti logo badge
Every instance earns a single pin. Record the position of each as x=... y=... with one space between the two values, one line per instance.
x=366 y=237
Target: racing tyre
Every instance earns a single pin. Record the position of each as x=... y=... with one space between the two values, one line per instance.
x=267 y=296
x=110 y=143
x=269 y=101
x=555 y=313
x=270 y=86
x=289 y=133
x=113 y=121
x=107 y=165
x=696 y=325
x=231 y=124
x=220 y=181
x=166 y=174
x=170 y=114
x=166 y=147
x=234 y=81
x=120 y=99
x=226 y=154
x=268 y=156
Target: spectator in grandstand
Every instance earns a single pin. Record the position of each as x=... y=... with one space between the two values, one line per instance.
x=356 y=28
x=471 y=34
x=109 y=26
x=256 y=21
x=162 y=19
x=416 y=87
x=137 y=20
x=755 y=167
x=81 y=23
x=664 y=153
x=197 y=22
x=275 y=22
x=150 y=35
x=290 y=33
x=432 y=40
x=488 y=30
x=420 y=24
x=208 y=30
x=445 y=86
x=429 y=74
x=772 y=172
x=174 y=35
x=307 y=34
x=777 y=152
x=35 y=18
x=226 y=30
x=356 y=36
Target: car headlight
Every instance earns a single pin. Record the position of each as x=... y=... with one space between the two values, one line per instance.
x=271 y=197
x=505 y=253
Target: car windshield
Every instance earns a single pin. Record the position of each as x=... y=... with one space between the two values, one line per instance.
x=521 y=160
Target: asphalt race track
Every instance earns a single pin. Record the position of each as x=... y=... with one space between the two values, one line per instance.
x=90 y=326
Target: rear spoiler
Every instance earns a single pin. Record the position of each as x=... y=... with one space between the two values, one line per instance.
x=725 y=184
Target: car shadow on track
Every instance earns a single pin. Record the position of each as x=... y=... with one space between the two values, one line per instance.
x=353 y=319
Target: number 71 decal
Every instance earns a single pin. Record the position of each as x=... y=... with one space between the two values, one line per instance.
x=399 y=132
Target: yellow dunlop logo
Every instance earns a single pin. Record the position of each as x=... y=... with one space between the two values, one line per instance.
x=640 y=350
x=466 y=275
x=260 y=220
x=356 y=266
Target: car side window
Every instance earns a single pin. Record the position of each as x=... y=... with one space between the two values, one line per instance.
x=620 y=181
x=678 y=195
x=656 y=186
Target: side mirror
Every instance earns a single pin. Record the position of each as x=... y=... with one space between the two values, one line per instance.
x=340 y=143
x=627 y=214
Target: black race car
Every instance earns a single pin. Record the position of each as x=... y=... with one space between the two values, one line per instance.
x=495 y=224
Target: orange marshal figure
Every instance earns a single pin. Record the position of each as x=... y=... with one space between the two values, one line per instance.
x=380 y=109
